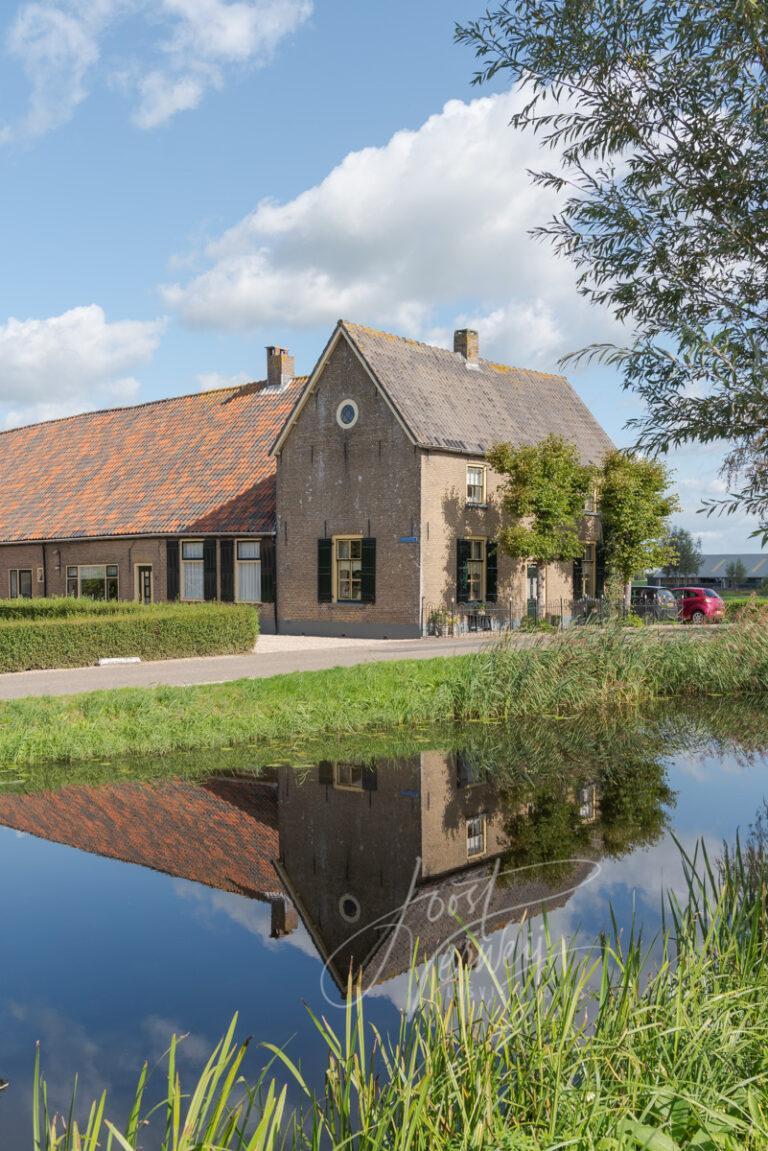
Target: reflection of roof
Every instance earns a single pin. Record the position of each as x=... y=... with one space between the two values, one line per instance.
x=441 y=911
x=223 y=834
x=716 y=566
x=192 y=463
x=446 y=404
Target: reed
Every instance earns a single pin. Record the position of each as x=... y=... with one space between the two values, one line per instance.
x=631 y=1045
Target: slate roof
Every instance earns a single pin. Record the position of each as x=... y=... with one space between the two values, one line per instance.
x=223 y=834
x=197 y=463
x=450 y=406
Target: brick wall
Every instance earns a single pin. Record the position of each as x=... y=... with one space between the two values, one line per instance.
x=362 y=481
x=446 y=517
x=57 y=557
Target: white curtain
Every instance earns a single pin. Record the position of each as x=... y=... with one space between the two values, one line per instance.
x=249 y=582
x=193 y=579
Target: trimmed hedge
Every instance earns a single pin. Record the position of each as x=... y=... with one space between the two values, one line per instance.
x=58 y=606
x=737 y=605
x=168 y=631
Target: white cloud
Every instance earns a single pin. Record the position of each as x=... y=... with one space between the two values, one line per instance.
x=59 y=47
x=435 y=221
x=210 y=380
x=66 y=363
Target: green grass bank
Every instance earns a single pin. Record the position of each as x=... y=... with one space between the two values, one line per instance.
x=570 y=675
x=620 y=1048
x=77 y=633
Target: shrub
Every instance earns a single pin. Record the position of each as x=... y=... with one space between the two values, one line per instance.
x=58 y=606
x=631 y=619
x=167 y=631
x=736 y=606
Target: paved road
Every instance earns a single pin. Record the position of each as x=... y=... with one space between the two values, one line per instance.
x=223 y=668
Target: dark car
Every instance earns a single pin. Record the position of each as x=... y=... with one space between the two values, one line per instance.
x=654 y=603
x=699 y=605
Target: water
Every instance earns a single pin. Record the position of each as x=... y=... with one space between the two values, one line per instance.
x=136 y=907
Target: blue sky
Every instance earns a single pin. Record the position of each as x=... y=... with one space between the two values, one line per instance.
x=185 y=181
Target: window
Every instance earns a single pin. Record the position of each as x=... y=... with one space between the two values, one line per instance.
x=475 y=836
x=349 y=569
x=588 y=570
x=348 y=776
x=347 y=414
x=590 y=503
x=93 y=581
x=20 y=583
x=248 y=578
x=193 y=583
x=476 y=570
x=475 y=484
x=587 y=801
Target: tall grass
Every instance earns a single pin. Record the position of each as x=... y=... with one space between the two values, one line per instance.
x=593 y=672
x=627 y=1046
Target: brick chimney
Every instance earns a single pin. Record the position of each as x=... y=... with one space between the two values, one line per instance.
x=280 y=367
x=467 y=344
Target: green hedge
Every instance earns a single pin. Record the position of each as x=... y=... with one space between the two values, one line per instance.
x=58 y=606
x=168 y=631
x=737 y=605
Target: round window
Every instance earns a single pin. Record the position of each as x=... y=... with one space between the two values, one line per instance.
x=349 y=908
x=347 y=414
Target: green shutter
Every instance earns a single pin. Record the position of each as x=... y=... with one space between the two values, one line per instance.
x=325 y=571
x=600 y=569
x=491 y=571
x=209 y=569
x=368 y=571
x=462 y=579
x=172 y=569
x=268 y=570
x=370 y=777
x=325 y=772
x=578 y=579
x=227 y=574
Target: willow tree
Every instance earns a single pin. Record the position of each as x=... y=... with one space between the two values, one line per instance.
x=542 y=496
x=635 y=506
x=656 y=112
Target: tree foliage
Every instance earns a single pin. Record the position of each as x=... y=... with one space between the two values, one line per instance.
x=688 y=552
x=736 y=573
x=544 y=489
x=635 y=506
x=657 y=111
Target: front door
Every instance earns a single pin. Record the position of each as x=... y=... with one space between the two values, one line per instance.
x=145 y=583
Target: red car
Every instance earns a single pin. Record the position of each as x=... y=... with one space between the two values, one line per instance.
x=699 y=605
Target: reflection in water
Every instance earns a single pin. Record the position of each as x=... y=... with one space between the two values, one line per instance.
x=377 y=854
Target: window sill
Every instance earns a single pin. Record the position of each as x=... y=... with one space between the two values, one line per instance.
x=349 y=603
x=476 y=506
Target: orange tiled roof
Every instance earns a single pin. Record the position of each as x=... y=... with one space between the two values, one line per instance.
x=223 y=833
x=197 y=463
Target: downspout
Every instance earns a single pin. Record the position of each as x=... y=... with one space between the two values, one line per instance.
x=45 y=571
x=274 y=579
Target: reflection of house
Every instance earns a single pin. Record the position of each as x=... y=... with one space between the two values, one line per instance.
x=222 y=833
x=360 y=843
x=347 y=844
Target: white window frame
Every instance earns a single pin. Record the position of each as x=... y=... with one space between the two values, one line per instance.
x=473 y=501
x=17 y=594
x=473 y=836
x=350 y=539
x=77 y=577
x=344 y=776
x=238 y=561
x=182 y=573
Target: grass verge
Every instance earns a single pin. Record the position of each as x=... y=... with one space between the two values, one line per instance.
x=618 y=1049
x=571 y=675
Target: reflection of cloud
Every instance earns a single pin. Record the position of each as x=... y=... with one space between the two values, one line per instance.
x=252 y=915
x=159 y=1030
x=66 y=1049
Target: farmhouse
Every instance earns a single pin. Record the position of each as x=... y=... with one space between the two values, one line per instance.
x=355 y=501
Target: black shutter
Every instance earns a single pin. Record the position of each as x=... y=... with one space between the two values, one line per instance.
x=325 y=571
x=209 y=569
x=370 y=777
x=172 y=569
x=600 y=569
x=227 y=575
x=462 y=578
x=268 y=571
x=578 y=579
x=368 y=571
x=325 y=772
x=491 y=571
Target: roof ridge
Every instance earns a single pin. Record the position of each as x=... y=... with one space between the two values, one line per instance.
x=493 y=364
x=230 y=390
